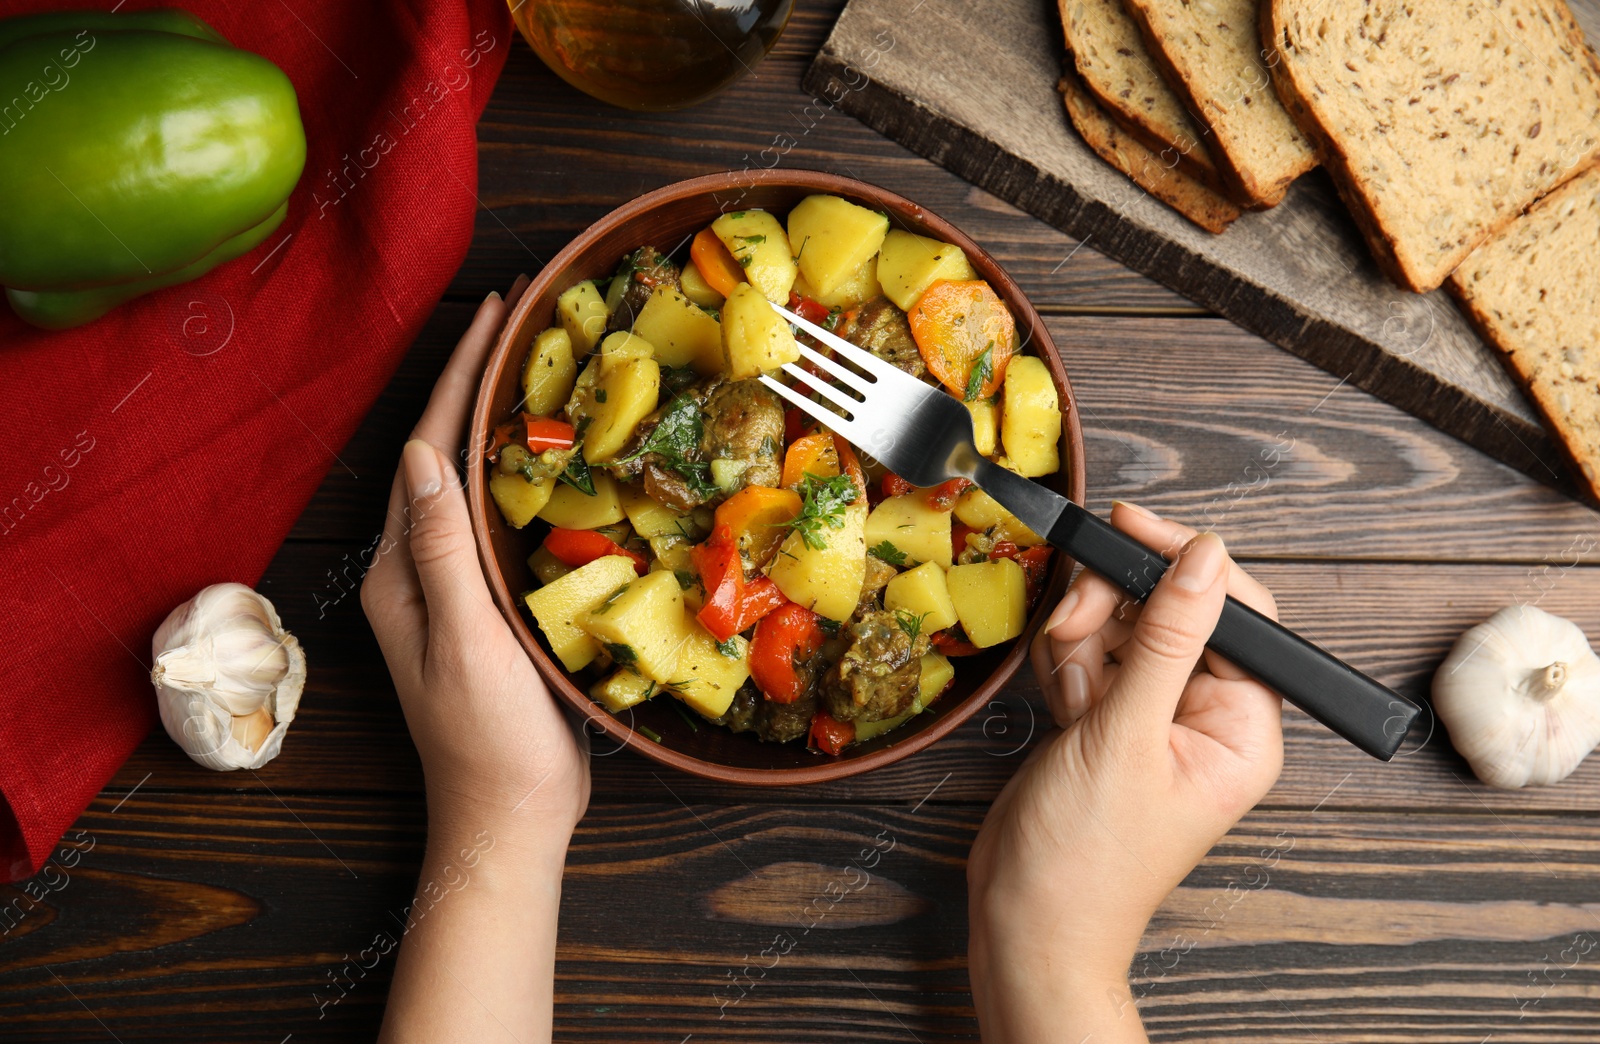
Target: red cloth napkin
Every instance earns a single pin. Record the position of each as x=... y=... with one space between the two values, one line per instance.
x=173 y=443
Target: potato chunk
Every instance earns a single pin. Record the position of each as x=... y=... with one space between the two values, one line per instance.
x=826 y=580
x=570 y=508
x=857 y=288
x=707 y=679
x=623 y=689
x=976 y=509
x=696 y=289
x=548 y=375
x=754 y=337
x=760 y=245
x=990 y=599
x=582 y=314
x=923 y=593
x=985 y=425
x=833 y=238
x=683 y=333
x=615 y=401
x=518 y=499
x=920 y=532
x=649 y=516
x=908 y=264
x=1030 y=428
x=621 y=348
x=556 y=604
x=642 y=626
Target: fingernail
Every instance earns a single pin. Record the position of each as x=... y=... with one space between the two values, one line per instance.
x=1075 y=689
x=494 y=295
x=422 y=469
x=1135 y=508
x=1200 y=563
x=1064 y=610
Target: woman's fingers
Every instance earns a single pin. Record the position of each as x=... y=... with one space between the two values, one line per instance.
x=442 y=548
x=1167 y=642
x=444 y=422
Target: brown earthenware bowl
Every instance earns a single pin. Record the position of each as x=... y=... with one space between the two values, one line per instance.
x=666 y=218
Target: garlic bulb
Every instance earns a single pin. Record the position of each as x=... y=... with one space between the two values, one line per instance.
x=1520 y=696
x=228 y=677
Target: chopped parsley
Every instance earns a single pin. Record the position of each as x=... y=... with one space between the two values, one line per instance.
x=685 y=578
x=600 y=395
x=829 y=627
x=745 y=260
x=831 y=323
x=910 y=624
x=982 y=370
x=577 y=474
x=729 y=648
x=889 y=553
x=622 y=654
x=676 y=441
x=751 y=240
x=824 y=501
x=676 y=378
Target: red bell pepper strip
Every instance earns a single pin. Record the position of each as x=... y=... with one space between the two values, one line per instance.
x=958 y=539
x=579 y=547
x=949 y=643
x=796 y=425
x=504 y=435
x=809 y=310
x=895 y=486
x=1035 y=563
x=829 y=735
x=783 y=636
x=943 y=496
x=545 y=433
x=732 y=602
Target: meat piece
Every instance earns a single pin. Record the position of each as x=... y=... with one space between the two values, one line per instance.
x=877 y=676
x=881 y=328
x=741 y=713
x=744 y=423
x=644 y=269
x=782 y=722
x=879 y=573
x=771 y=722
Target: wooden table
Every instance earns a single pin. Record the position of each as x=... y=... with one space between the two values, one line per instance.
x=1360 y=902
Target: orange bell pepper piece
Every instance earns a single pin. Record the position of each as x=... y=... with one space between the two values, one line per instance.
x=754 y=517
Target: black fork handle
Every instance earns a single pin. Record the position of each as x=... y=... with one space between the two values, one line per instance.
x=1370 y=715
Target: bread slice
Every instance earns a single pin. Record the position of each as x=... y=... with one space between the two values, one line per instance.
x=1211 y=52
x=1533 y=291
x=1183 y=193
x=1439 y=120
x=1104 y=44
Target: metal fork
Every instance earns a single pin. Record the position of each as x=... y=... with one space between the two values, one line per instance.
x=925 y=436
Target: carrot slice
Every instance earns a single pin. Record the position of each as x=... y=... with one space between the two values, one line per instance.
x=717 y=267
x=960 y=326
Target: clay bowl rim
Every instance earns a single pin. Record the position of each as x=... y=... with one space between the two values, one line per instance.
x=553 y=278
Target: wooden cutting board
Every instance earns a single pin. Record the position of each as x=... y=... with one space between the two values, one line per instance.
x=971 y=85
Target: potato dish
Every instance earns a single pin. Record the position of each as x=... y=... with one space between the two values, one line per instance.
x=698 y=541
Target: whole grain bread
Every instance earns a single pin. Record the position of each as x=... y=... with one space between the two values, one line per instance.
x=1440 y=120
x=1211 y=52
x=1104 y=44
x=1533 y=291
x=1160 y=178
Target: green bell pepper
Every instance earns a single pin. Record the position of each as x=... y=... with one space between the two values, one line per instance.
x=136 y=152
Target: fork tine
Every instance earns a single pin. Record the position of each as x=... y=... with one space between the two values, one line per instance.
x=856 y=356
x=849 y=378
x=824 y=389
x=807 y=406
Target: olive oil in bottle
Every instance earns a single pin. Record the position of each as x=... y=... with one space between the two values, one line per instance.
x=651 y=55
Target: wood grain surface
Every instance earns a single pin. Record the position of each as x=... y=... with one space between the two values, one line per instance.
x=1359 y=902
x=972 y=86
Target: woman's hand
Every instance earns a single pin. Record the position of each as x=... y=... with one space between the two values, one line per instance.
x=494 y=743
x=507 y=777
x=1163 y=747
